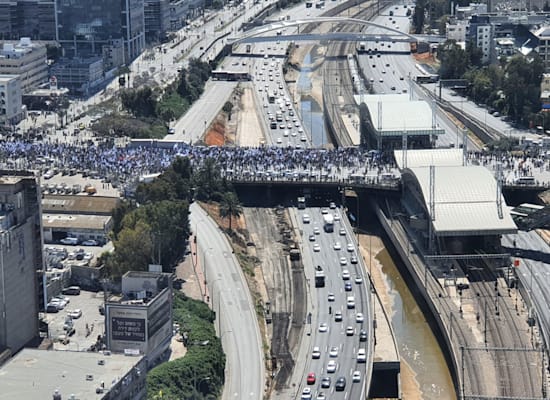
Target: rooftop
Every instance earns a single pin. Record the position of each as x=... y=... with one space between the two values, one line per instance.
x=427 y=157
x=79 y=204
x=75 y=221
x=36 y=374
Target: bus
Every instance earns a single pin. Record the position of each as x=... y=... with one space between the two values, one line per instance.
x=319 y=277
x=220 y=75
x=270 y=97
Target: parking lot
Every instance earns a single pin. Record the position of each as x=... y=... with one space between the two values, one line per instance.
x=82 y=339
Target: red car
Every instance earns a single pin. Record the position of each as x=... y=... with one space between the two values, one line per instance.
x=311 y=378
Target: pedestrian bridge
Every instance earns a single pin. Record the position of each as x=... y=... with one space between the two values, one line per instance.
x=388 y=34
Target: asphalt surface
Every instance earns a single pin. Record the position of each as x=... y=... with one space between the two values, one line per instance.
x=230 y=298
x=324 y=310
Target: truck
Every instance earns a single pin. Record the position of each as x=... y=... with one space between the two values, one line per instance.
x=328 y=225
x=319 y=277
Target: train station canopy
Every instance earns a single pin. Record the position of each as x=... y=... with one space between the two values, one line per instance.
x=464 y=201
x=393 y=114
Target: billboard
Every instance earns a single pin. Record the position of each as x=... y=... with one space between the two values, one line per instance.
x=127 y=327
x=132 y=329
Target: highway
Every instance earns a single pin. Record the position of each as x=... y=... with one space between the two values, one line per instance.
x=236 y=317
x=338 y=341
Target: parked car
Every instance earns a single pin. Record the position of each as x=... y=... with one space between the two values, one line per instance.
x=71 y=290
x=90 y=242
x=75 y=314
x=72 y=241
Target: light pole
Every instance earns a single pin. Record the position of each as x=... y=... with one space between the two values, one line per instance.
x=197 y=386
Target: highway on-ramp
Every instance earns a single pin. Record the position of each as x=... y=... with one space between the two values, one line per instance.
x=230 y=298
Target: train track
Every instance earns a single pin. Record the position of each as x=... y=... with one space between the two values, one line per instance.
x=514 y=358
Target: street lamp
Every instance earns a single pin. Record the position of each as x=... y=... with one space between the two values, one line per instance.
x=197 y=386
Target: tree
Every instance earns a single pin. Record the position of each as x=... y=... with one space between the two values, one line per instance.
x=139 y=102
x=521 y=87
x=454 y=62
x=132 y=250
x=227 y=108
x=208 y=181
x=230 y=207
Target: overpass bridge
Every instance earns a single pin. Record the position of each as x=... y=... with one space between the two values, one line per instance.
x=261 y=33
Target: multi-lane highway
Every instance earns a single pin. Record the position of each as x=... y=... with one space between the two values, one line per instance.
x=237 y=324
x=341 y=335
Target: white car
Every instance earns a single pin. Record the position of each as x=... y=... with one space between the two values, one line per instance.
x=306 y=219
x=279 y=140
x=342 y=232
x=323 y=327
x=306 y=394
x=332 y=205
x=316 y=247
x=333 y=352
x=356 y=376
x=75 y=314
x=361 y=356
x=346 y=275
x=316 y=231
x=343 y=261
x=331 y=366
x=336 y=217
x=359 y=279
x=324 y=211
x=316 y=353
x=337 y=246
x=321 y=396
x=359 y=317
x=350 y=331
x=331 y=297
x=350 y=247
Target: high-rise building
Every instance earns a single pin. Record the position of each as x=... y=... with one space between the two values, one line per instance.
x=84 y=27
x=26 y=59
x=11 y=99
x=27 y=18
x=20 y=259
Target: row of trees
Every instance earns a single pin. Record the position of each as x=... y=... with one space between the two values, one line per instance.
x=200 y=373
x=512 y=87
x=149 y=109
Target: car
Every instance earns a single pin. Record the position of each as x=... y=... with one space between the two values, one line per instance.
x=325 y=382
x=279 y=140
x=331 y=366
x=321 y=396
x=347 y=287
x=350 y=331
x=333 y=352
x=343 y=261
x=342 y=232
x=331 y=297
x=338 y=316
x=336 y=217
x=401 y=78
x=380 y=80
x=358 y=279
x=323 y=327
x=340 y=384
x=316 y=353
x=383 y=71
x=52 y=308
x=332 y=205
x=345 y=274
x=306 y=394
x=71 y=290
x=353 y=259
x=312 y=238
x=71 y=241
x=356 y=376
x=362 y=335
x=75 y=314
x=316 y=247
x=393 y=88
x=171 y=131
x=337 y=246
x=350 y=247
x=350 y=302
x=90 y=242
x=359 y=317
x=361 y=356
x=306 y=219
x=311 y=378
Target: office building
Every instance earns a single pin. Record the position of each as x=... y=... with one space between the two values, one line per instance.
x=20 y=259
x=84 y=26
x=26 y=59
x=543 y=48
x=157 y=19
x=82 y=76
x=41 y=374
x=140 y=319
x=27 y=18
x=11 y=100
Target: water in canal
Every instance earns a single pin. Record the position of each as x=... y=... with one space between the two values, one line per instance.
x=310 y=111
x=415 y=340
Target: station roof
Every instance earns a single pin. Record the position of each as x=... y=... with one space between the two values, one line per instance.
x=427 y=157
x=465 y=201
x=414 y=116
x=79 y=204
x=36 y=374
x=75 y=221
